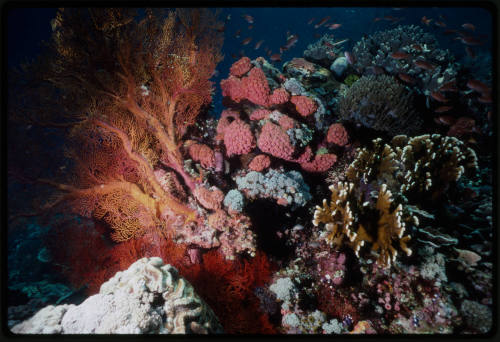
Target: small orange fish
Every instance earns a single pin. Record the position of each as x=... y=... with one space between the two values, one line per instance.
x=439 y=23
x=443 y=109
x=250 y=27
x=237 y=34
x=406 y=78
x=258 y=44
x=426 y=21
x=468 y=40
x=334 y=26
x=469 y=26
x=470 y=52
x=450 y=86
x=417 y=47
x=436 y=95
x=478 y=86
x=221 y=28
x=246 y=41
x=377 y=19
x=445 y=120
x=424 y=65
x=485 y=98
x=322 y=22
x=276 y=57
x=311 y=21
x=248 y=18
x=449 y=31
x=399 y=55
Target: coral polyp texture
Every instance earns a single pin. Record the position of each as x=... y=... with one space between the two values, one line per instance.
x=381 y=103
x=348 y=220
x=199 y=170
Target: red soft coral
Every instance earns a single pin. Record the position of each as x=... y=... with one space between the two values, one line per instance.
x=321 y=163
x=260 y=163
x=275 y=141
x=279 y=96
x=238 y=138
x=337 y=135
x=304 y=105
x=240 y=67
x=203 y=154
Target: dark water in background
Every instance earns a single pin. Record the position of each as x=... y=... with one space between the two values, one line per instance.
x=28 y=27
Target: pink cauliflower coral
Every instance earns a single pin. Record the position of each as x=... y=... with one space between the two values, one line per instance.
x=279 y=96
x=227 y=116
x=238 y=138
x=203 y=154
x=260 y=163
x=286 y=122
x=240 y=67
x=233 y=88
x=304 y=105
x=260 y=114
x=256 y=87
x=274 y=140
x=321 y=163
x=337 y=135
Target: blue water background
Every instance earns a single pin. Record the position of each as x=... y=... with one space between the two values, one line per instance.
x=28 y=27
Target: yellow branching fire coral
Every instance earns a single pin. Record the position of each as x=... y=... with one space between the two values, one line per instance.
x=349 y=219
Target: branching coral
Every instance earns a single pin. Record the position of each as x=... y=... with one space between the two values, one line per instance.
x=349 y=219
x=380 y=103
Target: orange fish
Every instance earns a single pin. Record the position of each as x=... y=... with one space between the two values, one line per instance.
x=445 y=120
x=436 y=95
x=391 y=18
x=417 y=47
x=406 y=78
x=250 y=27
x=276 y=57
x=237 y=34
x=334 y=26
x=377 y=19
x=443 y=109
x=478 y=86
x=450 y=86
x=258 y=44
x=248 y=18
x=424 y=65
x=485 y=98
x=311 y=21
x=221 y=28
x=468 y=40
x=426 y=21
x=449 y=31
x=246 y=41
x=399 y=55
x=322 y=22
x=469 y=26
x=439 y=23
x=470 y=52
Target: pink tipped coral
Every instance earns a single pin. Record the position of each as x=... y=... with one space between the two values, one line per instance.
x=337 y=135
x=275 y=141
x=260 y=114
x=256 y=87
x=279 y=96
x=227 y=116
x=238 y=138
x=321 y=163
x=304 y=105
x=240 y=67
x=260 y=163
x=232 y=87
x=203 y=154
x=286 y=122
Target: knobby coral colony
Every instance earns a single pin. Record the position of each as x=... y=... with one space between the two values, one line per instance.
x=223 y=199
